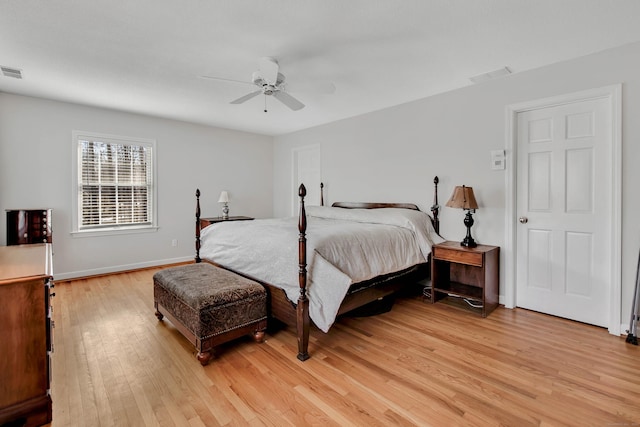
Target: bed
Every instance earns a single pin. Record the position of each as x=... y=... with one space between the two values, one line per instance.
x=348 y=255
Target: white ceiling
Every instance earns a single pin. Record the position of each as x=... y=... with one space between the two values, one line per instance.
x=146 y=56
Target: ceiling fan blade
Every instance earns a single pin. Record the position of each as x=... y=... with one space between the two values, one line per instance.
x=288 y=100
x=269 y=70
x=246 y=97
x=225 y=80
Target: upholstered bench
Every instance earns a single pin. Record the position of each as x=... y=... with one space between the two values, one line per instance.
x=210 y=305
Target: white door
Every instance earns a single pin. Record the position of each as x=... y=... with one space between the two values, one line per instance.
x=563 y=205
x=306 y=170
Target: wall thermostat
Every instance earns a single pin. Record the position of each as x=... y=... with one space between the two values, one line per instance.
x=497 y=159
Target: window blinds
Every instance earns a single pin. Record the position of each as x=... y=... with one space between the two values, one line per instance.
x=114 y=184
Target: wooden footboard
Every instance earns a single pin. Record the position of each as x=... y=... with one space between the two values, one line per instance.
x=279 y=306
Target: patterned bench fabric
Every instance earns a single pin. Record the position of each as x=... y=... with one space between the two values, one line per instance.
x=209 y=300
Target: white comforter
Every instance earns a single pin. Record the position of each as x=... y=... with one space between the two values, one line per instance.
x=344 y=246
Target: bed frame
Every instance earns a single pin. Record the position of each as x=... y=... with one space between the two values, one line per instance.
x=297 y=315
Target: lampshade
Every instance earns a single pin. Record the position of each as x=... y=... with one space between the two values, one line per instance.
x=224 y=197
x=463 y=198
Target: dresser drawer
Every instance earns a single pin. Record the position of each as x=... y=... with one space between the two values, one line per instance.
x=458 y=256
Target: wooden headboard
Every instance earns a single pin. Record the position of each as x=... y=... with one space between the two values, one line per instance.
x=367 y=205
x=435 y=208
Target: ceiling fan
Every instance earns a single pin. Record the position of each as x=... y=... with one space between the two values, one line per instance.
x=271 y=82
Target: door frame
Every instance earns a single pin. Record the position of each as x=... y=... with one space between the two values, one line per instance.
x=614 y=94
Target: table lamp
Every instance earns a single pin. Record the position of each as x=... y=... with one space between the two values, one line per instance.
x=224 y=199
x=463 y=198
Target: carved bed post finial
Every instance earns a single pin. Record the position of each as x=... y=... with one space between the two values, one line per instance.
x=198 y=225
x=302 y=309
x=435 y=209
x=322 y=194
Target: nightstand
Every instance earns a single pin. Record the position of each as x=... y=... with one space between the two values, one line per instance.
x=469 y=273
x=208 y=221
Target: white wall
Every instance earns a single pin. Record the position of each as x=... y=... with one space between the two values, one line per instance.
x=389 y=155
x=392 y=155
x=35 y=172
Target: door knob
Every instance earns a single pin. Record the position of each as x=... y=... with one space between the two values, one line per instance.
x=523 y=220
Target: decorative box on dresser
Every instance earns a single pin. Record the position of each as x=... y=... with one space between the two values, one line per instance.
x=469 y=273
x=26 y=277
x=28 y=226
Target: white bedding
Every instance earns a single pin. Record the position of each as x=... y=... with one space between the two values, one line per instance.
x=344 y=246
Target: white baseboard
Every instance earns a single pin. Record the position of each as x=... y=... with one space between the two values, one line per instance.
x=502 y=300
x=118 y=268
x=623 y=327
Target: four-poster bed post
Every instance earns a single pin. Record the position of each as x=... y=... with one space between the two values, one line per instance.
x=198 y=259
x=302 y=309
x=435 y=208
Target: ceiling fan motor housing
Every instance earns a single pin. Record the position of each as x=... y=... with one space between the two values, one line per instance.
x=267 y=88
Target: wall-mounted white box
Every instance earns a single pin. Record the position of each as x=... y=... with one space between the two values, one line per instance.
x=497 y=160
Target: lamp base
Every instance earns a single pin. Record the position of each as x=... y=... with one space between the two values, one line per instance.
x=468 y=240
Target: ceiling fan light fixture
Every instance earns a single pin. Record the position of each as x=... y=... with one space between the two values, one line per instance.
x=268 y=89
x=258 y=80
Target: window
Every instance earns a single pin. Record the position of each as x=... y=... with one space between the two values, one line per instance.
x=114 y=178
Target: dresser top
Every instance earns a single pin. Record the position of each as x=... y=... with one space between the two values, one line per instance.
x=24 y=261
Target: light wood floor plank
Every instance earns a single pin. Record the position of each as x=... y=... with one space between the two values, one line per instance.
x=115 y=364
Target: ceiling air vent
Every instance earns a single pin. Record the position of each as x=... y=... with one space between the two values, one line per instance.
x=11 y=72
x=485 y=77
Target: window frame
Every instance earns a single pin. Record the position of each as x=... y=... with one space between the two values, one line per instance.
x=109 y=230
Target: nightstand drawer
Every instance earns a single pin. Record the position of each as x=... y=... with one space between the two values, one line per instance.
x=458 y=256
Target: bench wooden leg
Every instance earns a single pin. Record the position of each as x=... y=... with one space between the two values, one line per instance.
x=258 y=336
x=204 y=357
x=159 y=315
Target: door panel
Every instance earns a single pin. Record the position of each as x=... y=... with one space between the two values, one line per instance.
x=539 y=262
x=539 y=181
x=579 y=172
x=579 y=260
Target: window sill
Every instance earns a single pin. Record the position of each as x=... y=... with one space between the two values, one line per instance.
x=114 y=231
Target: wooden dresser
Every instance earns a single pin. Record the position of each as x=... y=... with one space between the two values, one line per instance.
x=26 y=277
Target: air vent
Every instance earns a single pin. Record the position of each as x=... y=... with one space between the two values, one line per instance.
x=480 y=78
x=11 y=72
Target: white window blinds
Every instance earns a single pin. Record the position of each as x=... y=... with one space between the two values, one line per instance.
x=115 y=184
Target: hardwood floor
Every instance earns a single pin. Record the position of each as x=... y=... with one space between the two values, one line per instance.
x=115 y=364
